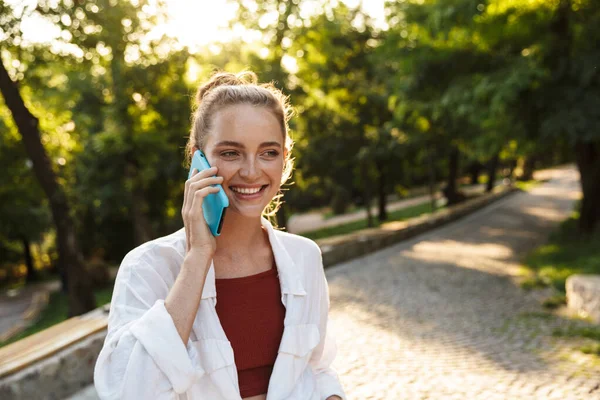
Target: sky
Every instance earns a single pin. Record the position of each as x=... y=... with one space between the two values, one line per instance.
x=193 y=22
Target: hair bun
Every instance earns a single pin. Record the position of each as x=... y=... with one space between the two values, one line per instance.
x=225 y=79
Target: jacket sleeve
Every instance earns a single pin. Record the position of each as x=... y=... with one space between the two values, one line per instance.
x=143 y=356
x=323 y=355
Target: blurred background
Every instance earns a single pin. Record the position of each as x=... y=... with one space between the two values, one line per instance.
x=434 y=100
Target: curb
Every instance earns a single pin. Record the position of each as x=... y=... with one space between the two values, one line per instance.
x=343 y=248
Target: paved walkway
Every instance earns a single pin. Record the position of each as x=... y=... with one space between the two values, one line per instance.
x=439 y=317
x=312 y=221
x=19 y=306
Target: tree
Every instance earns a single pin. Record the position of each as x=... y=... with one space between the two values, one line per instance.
x=114 y=39
x=24 y=213
x=81 y=297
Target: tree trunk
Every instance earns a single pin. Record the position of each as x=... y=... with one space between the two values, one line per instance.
x=475 y=171
x=450 y=191
x=492 y=167
x=366 y=193
x=382 y=201
x=528 y=168
x=431 y=173
x=32 y=274
x=406 y=168
x=81 y=297
x=588 y=162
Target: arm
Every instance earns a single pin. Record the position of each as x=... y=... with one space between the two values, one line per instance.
x=184 y=298
x=144 y=354
x=323 y=355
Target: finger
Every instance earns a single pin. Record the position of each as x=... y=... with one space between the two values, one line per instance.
x=186 y=197
x=204 y=174
x=213 y=180
x=198 y=199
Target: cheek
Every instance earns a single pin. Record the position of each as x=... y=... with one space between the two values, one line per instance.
x=224 y=169
x=275 y=170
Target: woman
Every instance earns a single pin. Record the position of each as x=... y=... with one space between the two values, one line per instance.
x=265 y=338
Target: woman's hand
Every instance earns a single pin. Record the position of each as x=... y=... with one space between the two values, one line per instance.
x=197 y=232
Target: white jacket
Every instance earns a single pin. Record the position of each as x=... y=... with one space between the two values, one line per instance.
x=144 y=358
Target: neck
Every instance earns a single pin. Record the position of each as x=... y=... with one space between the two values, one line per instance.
x=239 y=235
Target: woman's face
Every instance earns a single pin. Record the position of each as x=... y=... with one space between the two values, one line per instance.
x=246 y=145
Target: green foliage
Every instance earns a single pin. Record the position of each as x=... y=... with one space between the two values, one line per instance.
x=374 y=107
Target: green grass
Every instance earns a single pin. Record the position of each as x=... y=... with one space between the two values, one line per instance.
x=527 y=185
x=591 y=332
x=56 y=311
x=591 y=349
x=565 y=254
x=350 y=227
x=555 y=301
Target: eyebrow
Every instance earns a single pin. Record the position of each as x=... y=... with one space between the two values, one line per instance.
x=229 y=143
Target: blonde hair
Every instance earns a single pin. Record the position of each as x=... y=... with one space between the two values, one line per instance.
x=225 y=89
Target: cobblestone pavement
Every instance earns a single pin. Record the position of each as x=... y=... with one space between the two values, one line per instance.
x=440 y=317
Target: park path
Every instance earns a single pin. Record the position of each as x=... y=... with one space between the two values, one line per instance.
x=17 y=306
x=439 y=317
x=311 y=221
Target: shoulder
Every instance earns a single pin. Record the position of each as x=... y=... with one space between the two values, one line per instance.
x=161 y=257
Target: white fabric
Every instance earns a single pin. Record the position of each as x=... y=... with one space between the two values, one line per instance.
x=143 y=356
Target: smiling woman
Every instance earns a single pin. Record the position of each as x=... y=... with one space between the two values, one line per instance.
x=266 y=337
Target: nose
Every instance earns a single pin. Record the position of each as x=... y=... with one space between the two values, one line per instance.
x=249 y=170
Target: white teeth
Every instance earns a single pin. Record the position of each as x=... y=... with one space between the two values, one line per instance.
x=246 y=191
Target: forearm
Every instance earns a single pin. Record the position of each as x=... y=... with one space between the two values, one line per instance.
x=184 y=297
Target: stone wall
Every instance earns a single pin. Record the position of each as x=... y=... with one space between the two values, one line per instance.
x=57 y=376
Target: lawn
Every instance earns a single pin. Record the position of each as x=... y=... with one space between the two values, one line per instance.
x=563 y=255
x=350 y=227
x=56 y=311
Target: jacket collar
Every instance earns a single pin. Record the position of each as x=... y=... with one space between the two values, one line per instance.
x=289 y=274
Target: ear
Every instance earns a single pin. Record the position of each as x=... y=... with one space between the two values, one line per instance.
x=193 y=150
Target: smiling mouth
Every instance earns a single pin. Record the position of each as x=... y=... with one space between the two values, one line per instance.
x=248 y=191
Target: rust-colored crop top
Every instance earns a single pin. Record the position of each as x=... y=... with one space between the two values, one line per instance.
x=251 y=313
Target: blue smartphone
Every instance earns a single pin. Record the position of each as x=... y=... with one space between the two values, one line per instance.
x=215 y=204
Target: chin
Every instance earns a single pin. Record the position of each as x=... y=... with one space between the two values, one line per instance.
x=246 y=212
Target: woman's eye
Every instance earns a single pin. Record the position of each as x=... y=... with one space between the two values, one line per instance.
x=271 y=153
x=229 y=154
